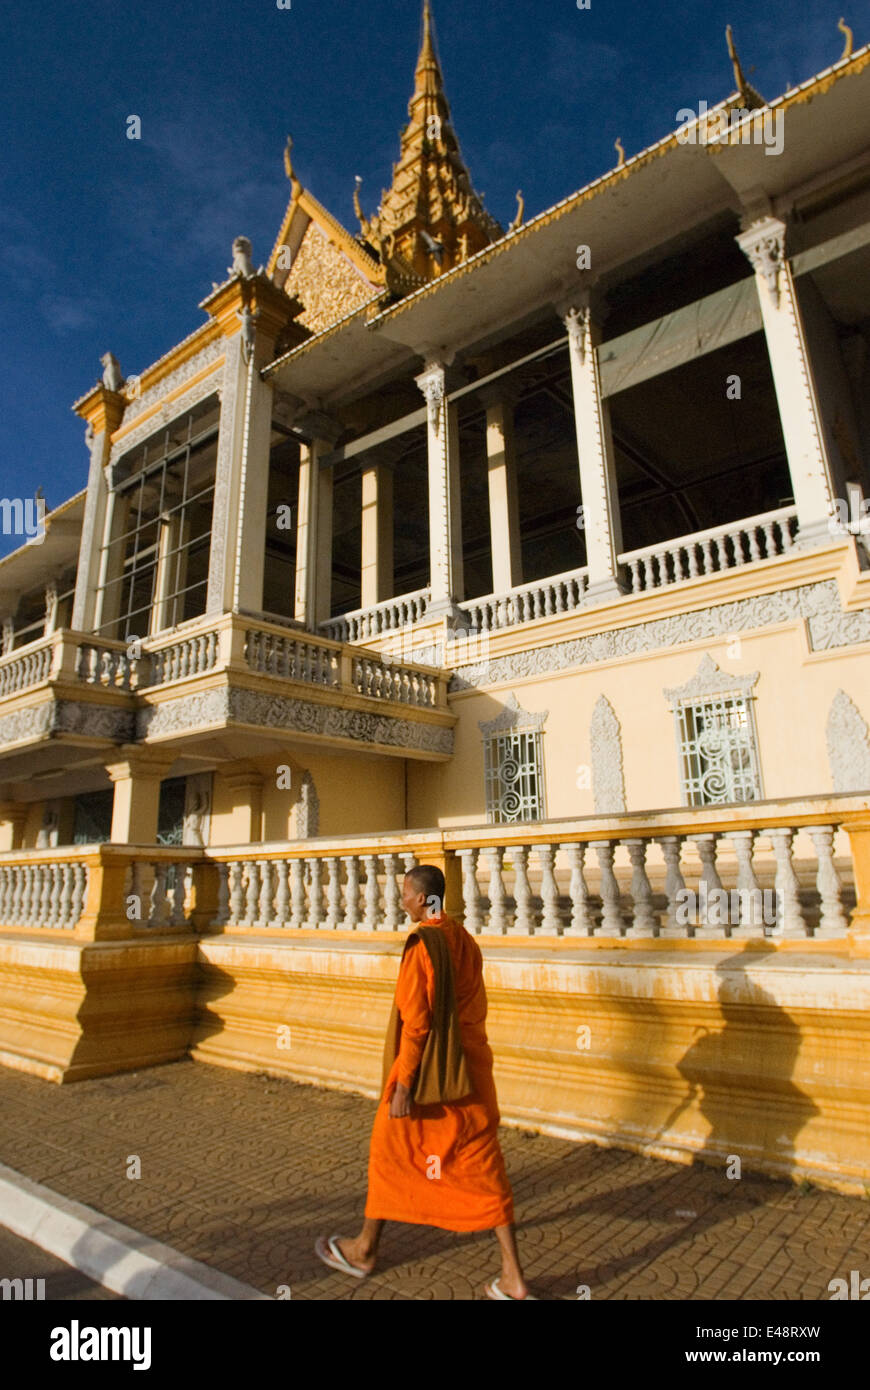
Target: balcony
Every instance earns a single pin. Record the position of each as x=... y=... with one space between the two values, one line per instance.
x=235 y=673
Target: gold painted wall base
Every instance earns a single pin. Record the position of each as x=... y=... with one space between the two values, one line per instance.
x=764 y=1056
x=71 y=1010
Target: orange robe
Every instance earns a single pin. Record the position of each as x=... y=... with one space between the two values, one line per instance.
x=442 y=1164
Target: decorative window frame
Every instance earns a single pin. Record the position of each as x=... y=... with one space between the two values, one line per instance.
x=524 y=727
x=708 y=684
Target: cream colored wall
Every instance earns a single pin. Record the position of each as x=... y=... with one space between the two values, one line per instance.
x=793 y=697
x=357 y=795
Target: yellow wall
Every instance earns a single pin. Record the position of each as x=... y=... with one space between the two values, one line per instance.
x=357 y=795
x=793 y=697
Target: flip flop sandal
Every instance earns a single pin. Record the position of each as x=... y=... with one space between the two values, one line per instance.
x=497 y=1293
x=329 y=1252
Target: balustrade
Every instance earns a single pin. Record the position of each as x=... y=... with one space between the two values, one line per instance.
x=365 y=623
x=545 y=598
x=42 y=895
x=709 y=552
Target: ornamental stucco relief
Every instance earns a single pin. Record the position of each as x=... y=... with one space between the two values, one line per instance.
x=848 y=746
x=818 y=604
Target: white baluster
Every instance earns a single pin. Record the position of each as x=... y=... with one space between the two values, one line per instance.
x=253 y=893
x=550 y=921
x=470 y=891
x=789 y=918
x=158 y=904
x=677 y=924
x=44 y=909
x=333 y=893
x=770 y=546
x=582 y=922
x=832 y=918
x=297 y=892
x=282 y=894
x=66 y=892
x=752 y=537
x=497 y=895
x=392 y=905
x=80 y=888
x=644 y=922
x=709 y=908
x=315 y=893
x=178 y=895
x=237 y=899
x=750 y=901
x=264 y=901
x=612 y=923
x=351 y=893
x=524 y=923
x=372 y=896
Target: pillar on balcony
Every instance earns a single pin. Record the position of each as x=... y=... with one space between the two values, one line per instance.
x=107 y=606
x=245 y=785
x=313 y=603
x=445 y=510
x=13 y=818
x=103 y=410
x=602 y=524
x=501 y=465
x=764 y=245
x=251 y=312
x=136 y=774
x=377 y=534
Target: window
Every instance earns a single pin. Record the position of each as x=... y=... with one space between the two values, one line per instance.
x=514 y=765
x=716 y=737
x=92 y=822
x=156 y=567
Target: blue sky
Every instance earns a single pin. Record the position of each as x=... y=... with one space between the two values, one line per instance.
x=110 y=244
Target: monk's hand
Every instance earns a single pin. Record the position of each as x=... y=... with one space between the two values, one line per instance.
x=400 y=1104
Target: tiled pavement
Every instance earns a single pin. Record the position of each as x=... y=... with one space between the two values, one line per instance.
x=244 y=1171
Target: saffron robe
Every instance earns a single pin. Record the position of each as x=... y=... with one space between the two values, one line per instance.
x=442 y=1164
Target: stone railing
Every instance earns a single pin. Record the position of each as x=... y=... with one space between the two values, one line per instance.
x=780 y=872
x=709 y=552
x=183 y=657
x=383 y=680
x=544 y=598
x=364 y=623
x=42 y=894
x=26 y=667
x=276 y=653
x=205 y=645
x=101 y=891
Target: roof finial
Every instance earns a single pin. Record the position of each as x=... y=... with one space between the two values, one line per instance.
x=740 y=80
x=844 y=29
x=617 y=145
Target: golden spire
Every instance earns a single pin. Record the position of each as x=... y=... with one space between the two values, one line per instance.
x=430 y=219
x=844 y=29
x=739 y=79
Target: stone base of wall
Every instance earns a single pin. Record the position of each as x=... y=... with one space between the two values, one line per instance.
x=75 y=1009
x=713 y=1055
x=758 y=1055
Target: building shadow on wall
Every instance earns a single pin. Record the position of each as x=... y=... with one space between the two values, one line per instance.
x=654 y=1222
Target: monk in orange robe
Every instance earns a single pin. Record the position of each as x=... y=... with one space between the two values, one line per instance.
x=441 y=1164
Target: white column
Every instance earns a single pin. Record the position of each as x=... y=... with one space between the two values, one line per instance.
x=501 y=463
x=377 y=535
x=809 y=466
x=445 y=510
x=313 y=602
x=251 y=312
x=107 y=606
x=600 y=497
x=103 y=410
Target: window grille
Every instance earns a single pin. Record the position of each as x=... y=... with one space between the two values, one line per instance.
x=718 y=750
x=514 y=777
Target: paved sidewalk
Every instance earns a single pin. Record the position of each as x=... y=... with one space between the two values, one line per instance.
x=244 y=1171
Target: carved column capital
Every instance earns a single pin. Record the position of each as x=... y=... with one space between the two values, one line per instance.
x=763 y=243
x=432 y=382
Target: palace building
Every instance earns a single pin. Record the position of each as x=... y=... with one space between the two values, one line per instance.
x=539 y=552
